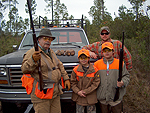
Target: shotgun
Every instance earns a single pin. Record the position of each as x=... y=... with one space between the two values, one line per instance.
x=35 y=45
x=120 y=69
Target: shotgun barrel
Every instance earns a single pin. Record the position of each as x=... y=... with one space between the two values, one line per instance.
x=35 y=45
x=120 y=69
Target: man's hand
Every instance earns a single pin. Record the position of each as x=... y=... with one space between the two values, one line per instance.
x=81 y=93
x=67 y=83
x=36 y=56
x=120 y=84
x=93 y=55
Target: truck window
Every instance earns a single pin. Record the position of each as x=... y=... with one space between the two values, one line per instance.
x=62 y=36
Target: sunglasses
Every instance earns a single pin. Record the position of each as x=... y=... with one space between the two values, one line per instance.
x=107 y=50
x=105 y=33
x=81 y=58
x=48 y=38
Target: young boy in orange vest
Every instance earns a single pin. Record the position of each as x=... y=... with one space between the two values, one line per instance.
x=84 y=81
x=109 y=72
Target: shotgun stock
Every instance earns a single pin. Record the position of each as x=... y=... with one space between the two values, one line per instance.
x=120 y=69
x=35 y=46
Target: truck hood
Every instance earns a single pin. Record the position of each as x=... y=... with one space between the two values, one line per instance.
x=16 y=57
x=13 y=58
x=70 y=59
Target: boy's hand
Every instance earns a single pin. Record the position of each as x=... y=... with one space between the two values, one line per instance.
x=120 y=84
x=81 y=93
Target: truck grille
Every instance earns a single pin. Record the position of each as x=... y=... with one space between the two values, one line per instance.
x=69 y=70
x=16 y=74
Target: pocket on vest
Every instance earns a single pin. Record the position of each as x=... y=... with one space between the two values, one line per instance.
x=27 y=82
x=41 y=95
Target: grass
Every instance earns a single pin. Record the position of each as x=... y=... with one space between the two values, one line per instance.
x=137 y=98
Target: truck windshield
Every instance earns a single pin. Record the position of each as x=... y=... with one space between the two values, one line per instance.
x=63 y=37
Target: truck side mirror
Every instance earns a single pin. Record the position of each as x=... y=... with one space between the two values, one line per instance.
x=15 y=47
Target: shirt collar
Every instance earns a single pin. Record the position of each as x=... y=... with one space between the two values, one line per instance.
x=45 y=51
x=109 y=61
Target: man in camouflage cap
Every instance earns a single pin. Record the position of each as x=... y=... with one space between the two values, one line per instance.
x=51 y=68
x=96 y=51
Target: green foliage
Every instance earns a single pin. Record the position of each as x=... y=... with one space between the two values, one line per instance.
x=142 y=44
x=7 y=42
x=99 y=13
x=139 y=54
x=59 y=9
x=136 y=4
x=33 y=7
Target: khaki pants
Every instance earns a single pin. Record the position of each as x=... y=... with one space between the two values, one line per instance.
x=48 y=106
x=111 y=109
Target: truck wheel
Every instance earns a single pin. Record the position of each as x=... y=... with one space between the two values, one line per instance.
x=8 y=107
x=13 y=108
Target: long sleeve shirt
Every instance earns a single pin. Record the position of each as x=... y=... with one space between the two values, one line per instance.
x=96 y=48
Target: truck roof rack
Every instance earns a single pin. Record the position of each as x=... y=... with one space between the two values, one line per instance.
x=61 y=23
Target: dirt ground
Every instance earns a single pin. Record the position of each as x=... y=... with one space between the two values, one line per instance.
x=137 y=97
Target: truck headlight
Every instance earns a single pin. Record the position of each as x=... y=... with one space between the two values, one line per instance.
x=2 y=71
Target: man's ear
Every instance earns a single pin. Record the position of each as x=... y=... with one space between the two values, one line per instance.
x=39 y=38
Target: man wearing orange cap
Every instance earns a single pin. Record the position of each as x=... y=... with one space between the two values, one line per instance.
x=108 y=68
x=96 y=51
x=84 y=81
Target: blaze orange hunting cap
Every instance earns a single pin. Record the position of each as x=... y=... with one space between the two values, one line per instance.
x=83 y=51
x=108 y=45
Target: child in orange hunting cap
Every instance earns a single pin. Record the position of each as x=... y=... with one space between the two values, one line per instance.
x=84 y=81
x=109 y=73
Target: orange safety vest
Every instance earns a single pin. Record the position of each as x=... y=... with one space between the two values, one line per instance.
x=41 y=95
x=103 y=66
x=27 y=82
x=80 y=74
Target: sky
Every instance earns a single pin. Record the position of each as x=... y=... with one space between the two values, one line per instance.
x=76 y=7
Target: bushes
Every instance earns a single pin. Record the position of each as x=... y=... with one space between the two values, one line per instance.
x=7 y=42
x=140 y=55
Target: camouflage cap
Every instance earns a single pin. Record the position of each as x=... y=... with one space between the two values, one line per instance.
x=45 y=32
x=105 y=28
